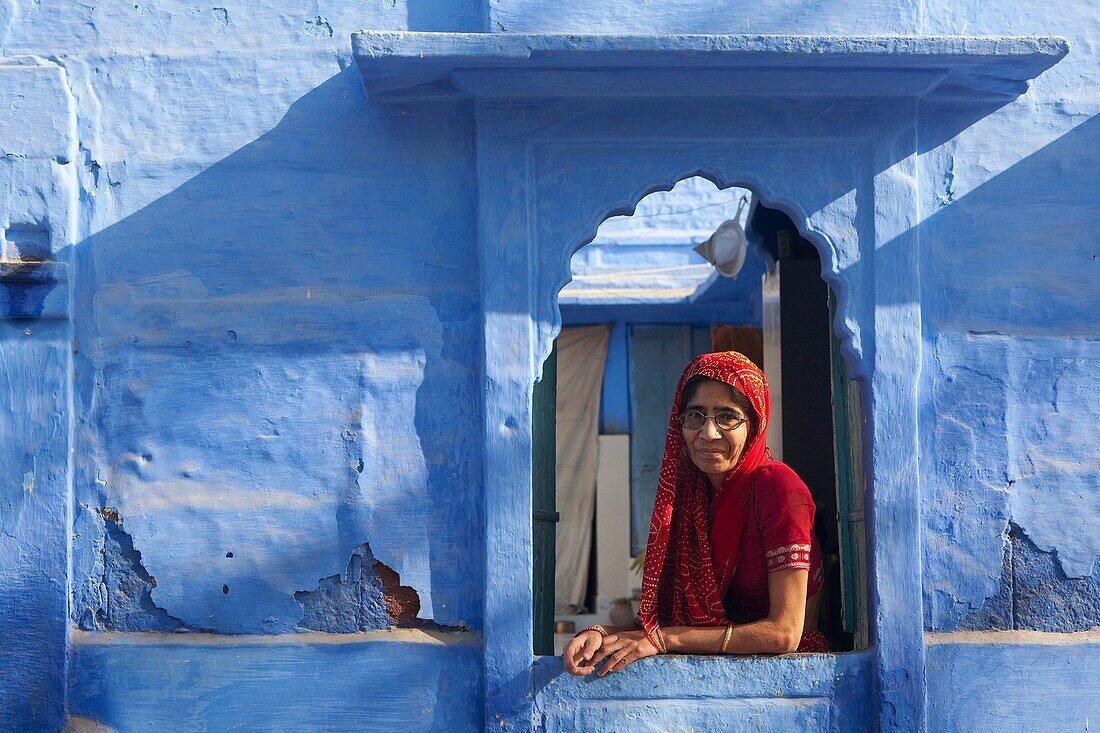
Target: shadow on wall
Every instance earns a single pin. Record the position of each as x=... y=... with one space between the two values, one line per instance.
x=788 y=17
x=276 y=363
x=1011 y=281
x=277 y=360
x=1018 y=253
x=447 y=15
x=29 y=685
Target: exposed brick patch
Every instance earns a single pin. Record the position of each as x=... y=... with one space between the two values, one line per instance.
x=402 y=602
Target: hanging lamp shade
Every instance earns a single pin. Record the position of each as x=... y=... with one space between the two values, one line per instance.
x=725 y=249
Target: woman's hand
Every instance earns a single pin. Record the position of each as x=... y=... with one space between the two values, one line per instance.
x=580 y=649
x=620 y=649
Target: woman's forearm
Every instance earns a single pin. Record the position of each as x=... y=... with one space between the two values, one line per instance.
x=759 y=637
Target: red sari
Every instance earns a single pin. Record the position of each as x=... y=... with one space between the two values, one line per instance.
x=708 y=559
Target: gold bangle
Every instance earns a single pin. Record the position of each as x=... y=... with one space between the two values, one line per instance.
x=661 y=638
x=594 y=627
x=726 y=640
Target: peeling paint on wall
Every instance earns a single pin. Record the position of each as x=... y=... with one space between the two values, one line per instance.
x=122 y=600
x=80 y=724
x=1003 y=436
x=317 y=27
x=366 y=597
x=197 y=480
x=1036 y=595
x=274 y=357
x=262 y=396
x=1055 y=463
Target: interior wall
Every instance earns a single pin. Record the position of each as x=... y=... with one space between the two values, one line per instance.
x=658 y=355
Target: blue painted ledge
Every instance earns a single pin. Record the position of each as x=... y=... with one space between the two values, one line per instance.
x=824 y=692
x=1013 y=681
x=424 y=64
x=403 y=680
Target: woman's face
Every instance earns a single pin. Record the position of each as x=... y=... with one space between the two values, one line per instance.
x=713 y=450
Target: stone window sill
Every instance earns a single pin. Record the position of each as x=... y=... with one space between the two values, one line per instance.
x=814 y=685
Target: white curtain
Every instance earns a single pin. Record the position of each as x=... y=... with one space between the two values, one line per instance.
x=582 y=352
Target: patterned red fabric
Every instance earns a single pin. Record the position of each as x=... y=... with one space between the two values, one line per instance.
x=690 y=559
x=778 y=535
x=813 y=641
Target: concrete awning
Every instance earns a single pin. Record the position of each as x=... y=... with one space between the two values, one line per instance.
x=421 y=65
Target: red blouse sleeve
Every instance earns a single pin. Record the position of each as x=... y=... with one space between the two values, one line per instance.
x=785 y=513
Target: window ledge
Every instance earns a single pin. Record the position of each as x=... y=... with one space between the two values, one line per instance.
x=677 y=677
x=425 y=65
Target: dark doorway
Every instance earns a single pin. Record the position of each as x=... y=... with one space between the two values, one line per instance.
x=810 y=428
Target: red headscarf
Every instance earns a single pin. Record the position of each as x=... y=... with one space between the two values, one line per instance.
x=694 y=542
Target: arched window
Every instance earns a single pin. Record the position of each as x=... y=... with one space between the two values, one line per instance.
x=658 y=302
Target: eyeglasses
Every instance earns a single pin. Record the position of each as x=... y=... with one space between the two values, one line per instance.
x=725 y=420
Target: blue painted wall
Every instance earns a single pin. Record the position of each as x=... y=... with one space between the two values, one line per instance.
x=245 y=389
x=1011 y=295
x=615 y=393
x=36 y=218
x=261 y=384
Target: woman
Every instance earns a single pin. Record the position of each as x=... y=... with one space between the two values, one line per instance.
x=732 y=565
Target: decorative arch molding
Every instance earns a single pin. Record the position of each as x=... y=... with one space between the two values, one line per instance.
x=565 y=224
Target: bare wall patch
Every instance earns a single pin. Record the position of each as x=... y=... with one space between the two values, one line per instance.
x=124 y=599
x=1036 y=595
x=368 y=596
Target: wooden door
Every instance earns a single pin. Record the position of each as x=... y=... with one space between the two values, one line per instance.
x=658 y=355
x=544 y=517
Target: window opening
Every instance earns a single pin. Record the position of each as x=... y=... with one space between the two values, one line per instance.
x=815 y=414
x=662 y=304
